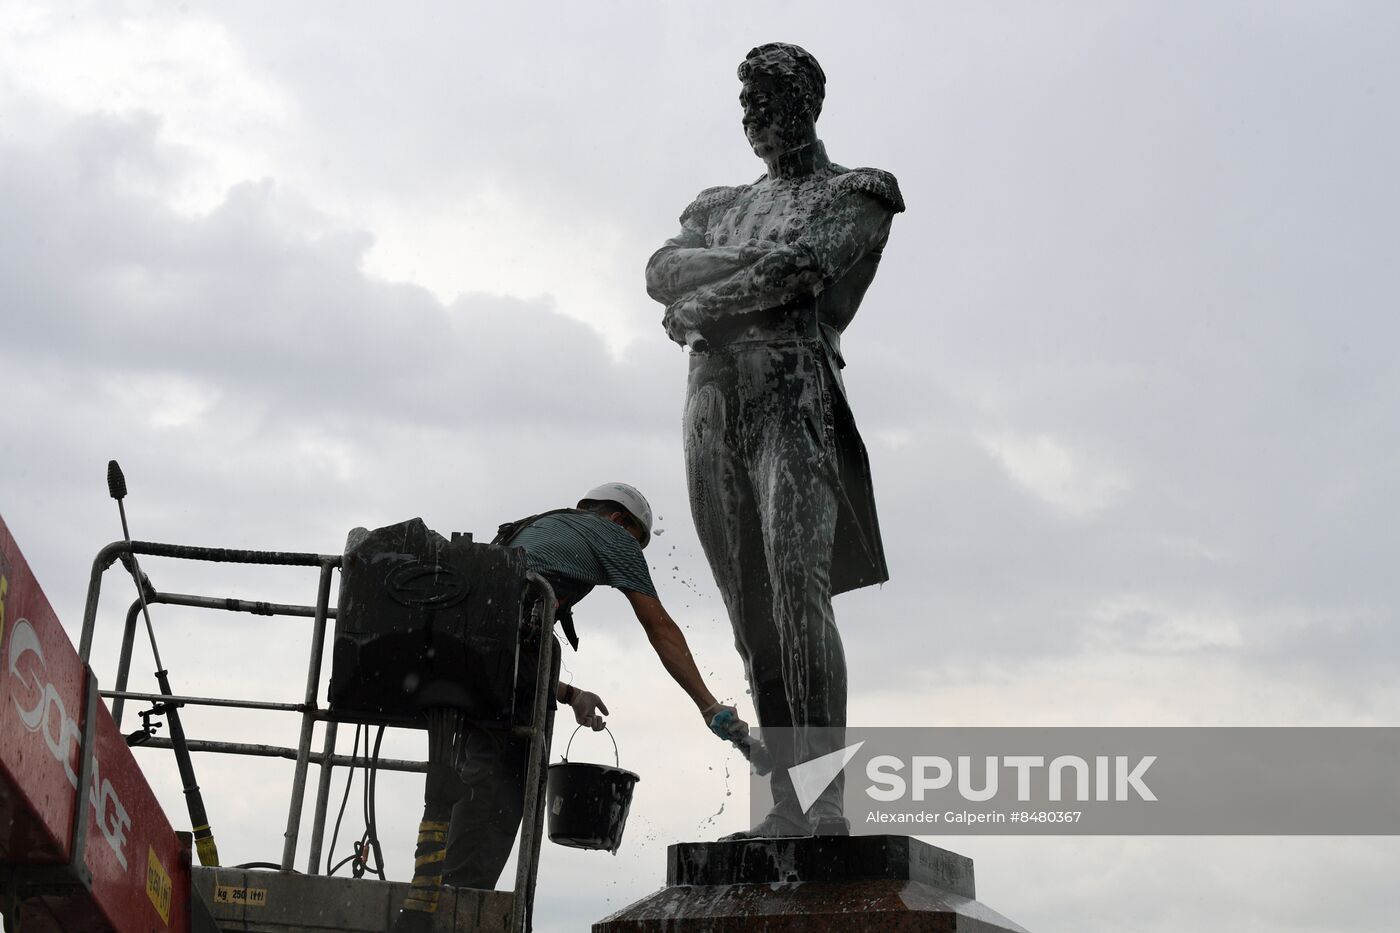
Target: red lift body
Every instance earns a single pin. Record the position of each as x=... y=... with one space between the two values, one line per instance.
x=139 y=871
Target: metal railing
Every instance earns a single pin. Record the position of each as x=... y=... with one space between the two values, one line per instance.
x=327 y=759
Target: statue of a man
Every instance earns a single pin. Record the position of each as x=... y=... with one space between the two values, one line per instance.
x=760 y=284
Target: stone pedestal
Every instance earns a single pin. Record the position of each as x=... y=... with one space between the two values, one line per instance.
x=852 y=884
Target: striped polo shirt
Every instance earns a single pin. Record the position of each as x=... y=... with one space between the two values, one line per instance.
x=586 y=549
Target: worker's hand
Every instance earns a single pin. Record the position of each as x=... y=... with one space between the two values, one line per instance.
x=589 y=709
x=724 y=722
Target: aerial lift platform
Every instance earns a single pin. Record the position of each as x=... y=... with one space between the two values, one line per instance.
x=86 y=848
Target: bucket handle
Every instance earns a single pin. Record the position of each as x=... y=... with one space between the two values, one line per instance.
x=616 y=760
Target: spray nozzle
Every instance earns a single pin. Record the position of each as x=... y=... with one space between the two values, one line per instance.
x=116 y=482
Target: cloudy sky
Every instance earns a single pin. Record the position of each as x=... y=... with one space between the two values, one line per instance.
x=1127 y=375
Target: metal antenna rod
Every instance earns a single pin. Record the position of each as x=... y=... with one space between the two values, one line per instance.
x=199 y=817
x=116 y=486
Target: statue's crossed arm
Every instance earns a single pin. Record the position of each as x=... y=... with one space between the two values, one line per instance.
x=703 y=286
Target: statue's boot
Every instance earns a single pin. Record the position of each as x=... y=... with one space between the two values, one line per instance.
x=826 y=816
x=772 y=826
x=827 y=819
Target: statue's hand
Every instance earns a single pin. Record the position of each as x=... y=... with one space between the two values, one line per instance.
x=793 y=268
x=677 y=322
x=754 y=250
x=684 y=323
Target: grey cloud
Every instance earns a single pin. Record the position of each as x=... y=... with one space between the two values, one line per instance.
x=114 y=278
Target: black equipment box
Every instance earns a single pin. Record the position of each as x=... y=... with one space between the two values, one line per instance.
x=422 y=621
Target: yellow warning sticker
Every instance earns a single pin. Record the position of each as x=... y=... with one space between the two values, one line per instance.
x=248 y=897
x=158 y=886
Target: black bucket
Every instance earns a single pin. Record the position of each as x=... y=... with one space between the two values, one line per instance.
x=588 y=803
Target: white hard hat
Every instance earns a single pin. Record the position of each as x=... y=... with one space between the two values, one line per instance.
x=626 y=496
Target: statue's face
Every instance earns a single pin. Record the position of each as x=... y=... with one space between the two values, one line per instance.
x=774 y=118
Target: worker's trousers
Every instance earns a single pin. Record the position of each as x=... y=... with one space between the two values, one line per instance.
x=485 y=821
x=762 y=472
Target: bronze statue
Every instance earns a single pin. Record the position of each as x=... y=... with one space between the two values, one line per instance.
x=760 y=284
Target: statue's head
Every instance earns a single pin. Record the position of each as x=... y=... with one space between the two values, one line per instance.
x=782 y=97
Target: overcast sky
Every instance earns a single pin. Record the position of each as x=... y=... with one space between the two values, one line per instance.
x=1128 y=373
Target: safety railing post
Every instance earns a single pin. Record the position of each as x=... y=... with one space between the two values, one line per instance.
x=124 y=662
x=308 y=717
x=323 y=793
x=532 y=818
x=104 y=559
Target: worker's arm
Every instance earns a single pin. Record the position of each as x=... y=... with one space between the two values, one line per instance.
x=670 y=646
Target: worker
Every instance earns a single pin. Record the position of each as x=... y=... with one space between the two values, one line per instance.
x=599 y=543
